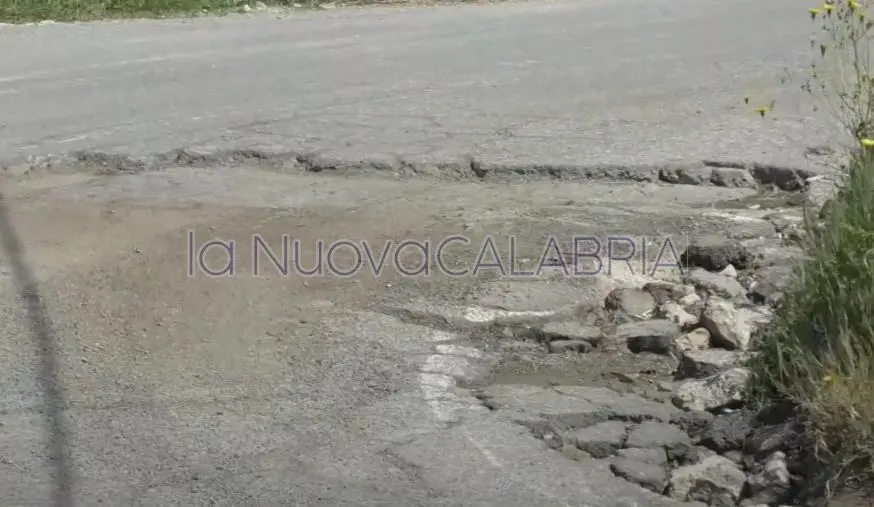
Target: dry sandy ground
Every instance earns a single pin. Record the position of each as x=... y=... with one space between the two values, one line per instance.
x=270 y=390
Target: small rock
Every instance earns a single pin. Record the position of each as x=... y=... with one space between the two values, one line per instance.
x=770 y=284
x=691 y=299
x=736 y=457
x=698 y=339
x=715 y=253
x=571 y=330
x=601 y=440
x=765 y=293
x=707 y=481
x=765 y=440
x=712 y=393
x=689 y=455
x=729 y=271
x=633 y=302
x=664 y=386
x=715 y=284
x=771 y=484
x=652 y=456
x=651 y=477
x=260 y=6
x=731 y=327
x=655 y=336
x=704 y=363
x=694 y=422
x=732 y=177
x=655 y=434
x=562 y=346
x=245 y=8
x=662 y=292
x=728 y=432
x=677 y=314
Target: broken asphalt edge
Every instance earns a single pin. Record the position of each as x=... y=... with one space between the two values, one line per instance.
x=733 y=174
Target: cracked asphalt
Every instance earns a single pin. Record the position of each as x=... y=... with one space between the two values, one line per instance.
x=179 y=388
x=176 y=388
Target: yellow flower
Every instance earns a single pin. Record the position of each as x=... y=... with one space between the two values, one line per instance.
x=853 y=5
x=763 y=110
x=828 y=8
x=868 y=143
x=813 y=12
x=828 y=379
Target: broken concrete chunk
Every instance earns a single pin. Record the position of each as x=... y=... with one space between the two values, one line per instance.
x=678 y=315
x=691 y=299
x=655 y=336
x=694 y=422
x=771 y=484
x=715 y=284
x=570 y=330
x=601 y=440
x=717 y=391
x=711 y=480
x=651 y=456
x=728 y=432
x=634 y=302
x=729 y=271
x=699 y=364
x=662 y=292
x=651 y=477
x=732 y=327
x=715 y=253
x=698 y=339
x=655 y=434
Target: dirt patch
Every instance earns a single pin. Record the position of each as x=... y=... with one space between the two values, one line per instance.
x=625 y=373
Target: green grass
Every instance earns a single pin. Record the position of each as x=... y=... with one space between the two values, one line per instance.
x=819 y=352
x=22 y=11
x=28 y=11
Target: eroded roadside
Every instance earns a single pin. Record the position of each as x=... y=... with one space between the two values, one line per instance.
x=397 y=389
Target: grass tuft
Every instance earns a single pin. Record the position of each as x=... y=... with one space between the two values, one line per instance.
x=819 y=352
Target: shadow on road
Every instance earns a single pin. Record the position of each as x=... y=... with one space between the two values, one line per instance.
x=46 y=344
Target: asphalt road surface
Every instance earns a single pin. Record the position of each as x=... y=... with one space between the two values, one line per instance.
x=133 y=378
x=591 y=82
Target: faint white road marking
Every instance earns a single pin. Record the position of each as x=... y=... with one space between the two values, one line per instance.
x=485 y=452
x=489 y=315
x=446 y=365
